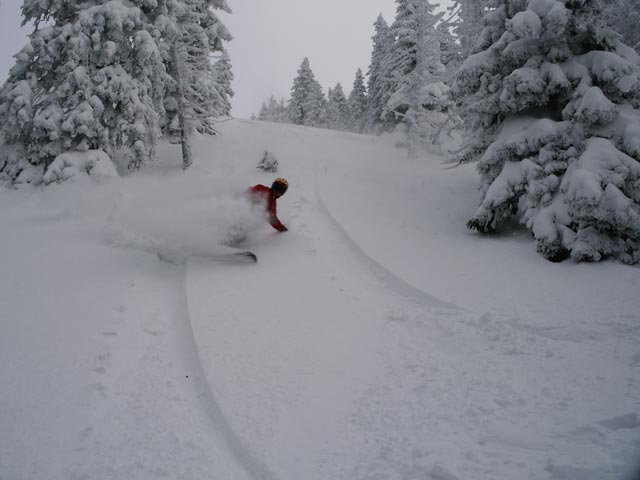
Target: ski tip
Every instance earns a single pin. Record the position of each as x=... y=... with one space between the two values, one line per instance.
x=249 y=256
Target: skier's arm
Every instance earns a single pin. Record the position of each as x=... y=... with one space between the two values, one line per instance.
x=277 y=224
x=273 y=219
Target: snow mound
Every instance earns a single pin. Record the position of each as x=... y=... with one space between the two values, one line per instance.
x=94 y=163
x=525 y=25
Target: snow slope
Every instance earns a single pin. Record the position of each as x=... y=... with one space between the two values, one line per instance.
x=377 y=339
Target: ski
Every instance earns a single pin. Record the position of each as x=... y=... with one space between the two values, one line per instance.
x=232 y=257
x=244 y=256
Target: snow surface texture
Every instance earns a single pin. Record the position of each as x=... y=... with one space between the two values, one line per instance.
x=376 y=339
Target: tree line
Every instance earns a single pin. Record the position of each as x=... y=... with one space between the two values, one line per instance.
x=406 y=89
x=546 y=97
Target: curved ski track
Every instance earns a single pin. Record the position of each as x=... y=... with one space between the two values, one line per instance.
x=380 y=275
x=244 y=457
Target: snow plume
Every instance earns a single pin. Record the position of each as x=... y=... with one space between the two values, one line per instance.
x=181 y=217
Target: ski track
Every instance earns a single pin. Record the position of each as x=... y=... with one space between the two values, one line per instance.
x=257 y=469
x=388 y=279
x=405 y=410
x=370 y=275
x=423 y=388
x=146 y=399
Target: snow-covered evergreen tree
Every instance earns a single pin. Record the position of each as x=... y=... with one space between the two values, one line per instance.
x=223 y=76
x=281 y=112
x=378 y=86
x=450 y=50
x=337 y=115
x=92 y=78
x=552 y=113
x=357 y=103
x=420 y=96
x=189 y=33
x=623 y=16
x=263 y=114
x=467 y=26
x=274 y=111
x=307 y=104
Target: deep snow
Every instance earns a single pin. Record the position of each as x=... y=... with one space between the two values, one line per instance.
x=377 y=339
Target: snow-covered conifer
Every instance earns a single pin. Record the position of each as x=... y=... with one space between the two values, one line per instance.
x=92 y=78
x=264 y=112
x=357 y=103
x=419 y=97
x=450 y=50
x=622 y=16
x=223 y=76
x=307 y=104
x=337 y=109
x=274 y=111
x=468 y=26
x=378 y=86
x=552 y=113
x=281 y=112
x=189 y=32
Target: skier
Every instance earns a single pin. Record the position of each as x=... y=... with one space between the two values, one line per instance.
x=268 y=196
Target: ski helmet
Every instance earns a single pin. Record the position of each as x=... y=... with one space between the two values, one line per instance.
x=280 y=185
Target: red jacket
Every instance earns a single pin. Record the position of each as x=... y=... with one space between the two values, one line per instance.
x=262 y=194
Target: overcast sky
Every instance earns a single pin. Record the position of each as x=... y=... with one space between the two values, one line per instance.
x=12 y=37
x=271 y=38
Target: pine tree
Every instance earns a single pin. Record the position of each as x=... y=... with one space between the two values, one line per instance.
x=307 y=104
x=420 y=96
x=282 y=112
x=223 y=77
x=552 y=113
x=357 y=103
x=263 y=115
x=274 y=111
x=92 y=78
x=450 y=51
x=622 y=16
x=188 y=33
x=337 y=109
x=379 y=73
x=468 y=26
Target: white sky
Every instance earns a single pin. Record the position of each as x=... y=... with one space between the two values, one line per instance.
x=12 y=37
x=271 y=37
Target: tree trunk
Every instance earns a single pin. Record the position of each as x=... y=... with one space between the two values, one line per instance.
x=187 y=160
x=183 y=123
